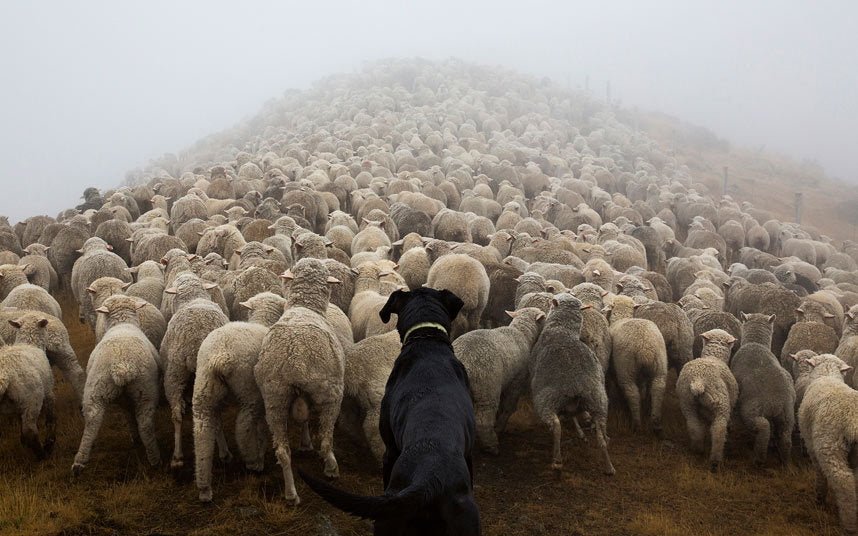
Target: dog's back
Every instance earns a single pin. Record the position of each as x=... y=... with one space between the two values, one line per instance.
x=428 y=428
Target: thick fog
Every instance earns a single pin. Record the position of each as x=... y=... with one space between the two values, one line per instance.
x=90 y=90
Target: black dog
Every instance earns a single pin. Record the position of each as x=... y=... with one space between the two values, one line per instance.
x=427 y=425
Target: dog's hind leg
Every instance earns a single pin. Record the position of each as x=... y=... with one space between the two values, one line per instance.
x=462 y=516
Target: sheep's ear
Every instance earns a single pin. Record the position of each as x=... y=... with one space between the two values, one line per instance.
x=620 y=286
x=395 y=302
x=171 y=290
x=517 y=279
x=90 y=290
x=795 y=357
x=287 y=275
x=844 y=368
x=333 y=281
x=354 y=271
x=813 y=361
x=705 y=336
x=141 y=304
x=742 y=316
x=799 y=310
x=102 y=310
x=827 y=315
x=771 y=319
x=636 y=305
x=109 y=247
x=43 y=323
x=554 y=302
x=202 y=233
x=209 y=286
x=15 y=324
x=164 y=261
x=397 y=243
x=238 y=252
x=299 y=246
x=192 y=257
x=587 y=306
x=511 y=314
x=269 y=249
x=731 y=340
x=851 y=315
x=245 y=304
x=540 y=316
x=550 y=288
x=126 y=285
x=604 y=293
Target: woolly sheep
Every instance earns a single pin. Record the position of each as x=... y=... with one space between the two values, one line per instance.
x=565 y=376
x=467 y=279
x=497 y=361
x=26 y=381
x=97 y=260
x=707 y=393
x=638 y=358
x=33 y=298
x=302 y=364
x=124 y=362
x=225 y=364
x=766 y=391
x=194 y=317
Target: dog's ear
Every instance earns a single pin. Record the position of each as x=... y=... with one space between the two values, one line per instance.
x=394 y=305
x=452 y=303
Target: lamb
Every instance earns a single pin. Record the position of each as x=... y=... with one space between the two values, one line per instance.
x=466 y=278
x=289 y=383
x=225 y=364
x=124 y=362
x=828 y=421
x=708 y=393
x=497 y=361
x=194 y=317
x=566 y=376
x=766 y=391
x=27 y=383
x=639 y=359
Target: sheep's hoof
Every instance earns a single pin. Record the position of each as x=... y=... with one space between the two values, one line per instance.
x=77 y=469
x=49 y=445
x=226 y=458
x=714 y=466
x=610 y=471
x=557 y=467
x=255 y=468
x=206 y=495
x=294 y=501
x=176 y=463
x=332 y=472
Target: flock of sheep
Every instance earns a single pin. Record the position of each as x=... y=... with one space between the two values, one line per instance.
x=251 y=269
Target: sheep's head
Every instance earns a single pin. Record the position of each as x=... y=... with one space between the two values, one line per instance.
x=31 y=329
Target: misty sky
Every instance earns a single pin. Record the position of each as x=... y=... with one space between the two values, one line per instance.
x=89 y=90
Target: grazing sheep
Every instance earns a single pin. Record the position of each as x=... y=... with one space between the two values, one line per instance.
x=708 y=393
x=124 y=362
x=466 y=278
x=497 y=361
x=766 y=391
x=194 y=317
x=828 y=422
x=302 y=366
x=567 y=377
x=26 y=381
x=225 y=364
x=639 y=359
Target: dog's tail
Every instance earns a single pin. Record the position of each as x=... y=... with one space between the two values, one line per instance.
x=403 y=504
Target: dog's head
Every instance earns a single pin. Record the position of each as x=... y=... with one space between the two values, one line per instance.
x=421 y=305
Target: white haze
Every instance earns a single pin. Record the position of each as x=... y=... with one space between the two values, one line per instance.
x=90 y=90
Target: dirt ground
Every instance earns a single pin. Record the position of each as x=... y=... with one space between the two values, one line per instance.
x=659 y=489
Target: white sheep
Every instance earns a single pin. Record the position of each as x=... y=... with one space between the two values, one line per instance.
x=302 y=364
x=124 y=362
x=707 y=393
x=225 y=364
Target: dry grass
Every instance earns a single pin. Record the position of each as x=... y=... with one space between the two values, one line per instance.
x=659 y=488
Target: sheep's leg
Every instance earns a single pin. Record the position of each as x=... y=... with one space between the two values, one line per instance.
x=718 y=431
x=370 y=430
x=71 y=370
x=223 y=452
x=276 y=413
x=578 y=431
x=509 y=402
x=842 y=482
x=553 y=422
x=696 y=428
x=49 y=408
x=633 y=399
x=821 y=487
x=784 y=443
x=657 y=396
x=602 y=442
x=306 y=444
x=93 y=417
x=762 y=432
x=174 y=386
x=246 y=435
x=30 y=431
x=485 y=421
x=145 y=405
x=328 y=412
x=129 y=412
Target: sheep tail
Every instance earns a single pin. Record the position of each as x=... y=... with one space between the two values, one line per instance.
x=404 y=504
x=698 y=387
x=300 y=410
x=122 y=373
